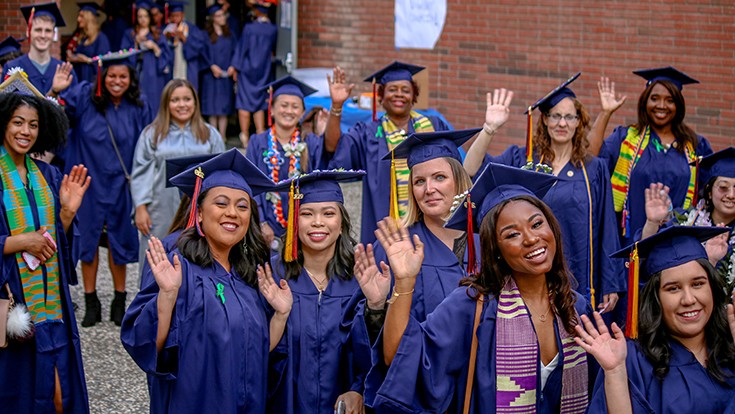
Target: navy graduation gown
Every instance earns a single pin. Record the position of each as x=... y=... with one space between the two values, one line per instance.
x=687 y=388
x=108 y=201
x=318 y=346
x=215 y=358
x=27 y=369
x=42 y=81
x=429 y=370
x=194 y=52
x=570 y=204
x=252 y=59
x=361 y=149
x=153 y=72
x=668 y=167
x=217 y=94
x=88 y=71
x=258 y=146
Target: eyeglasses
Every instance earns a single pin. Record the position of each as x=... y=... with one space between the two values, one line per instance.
x=556 y=118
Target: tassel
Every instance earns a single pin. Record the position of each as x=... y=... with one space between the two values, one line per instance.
x=375 y=101
x=631 y=323
x=290 y=252
x=193 y=209
x=471 y=259
x=134 y=16
x=56 y=34
x=393 y=189
x=270 y=106
x=30 y=23
x=695 y=196
x=99 y=77
x=529 y=136
x=165 y=13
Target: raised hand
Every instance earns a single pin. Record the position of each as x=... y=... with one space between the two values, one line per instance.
x=62 y=77
x=658 y=203
x=279 y=297
x=608 y=101
x=339 y=90
x=374 y=282
x=73 y=187
x=609 y=350
x=498 y=108
x=405 y=257
x=167 y=275
x=717 y=246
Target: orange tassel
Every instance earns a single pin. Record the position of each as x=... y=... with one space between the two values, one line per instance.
x=631 y=323
x=393 y=189
x=375 y=101
x=529 y=136
x=270 y=105
x=290 y=252
x=471 y=259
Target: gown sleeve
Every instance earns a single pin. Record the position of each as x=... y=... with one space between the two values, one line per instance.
x=77 y=98
x=252 y=154
x=351 y=151
x=143 y=174
x=610 y=150
x=614 y=277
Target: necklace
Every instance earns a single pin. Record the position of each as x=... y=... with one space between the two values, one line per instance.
x=541 y=317
x=273 y=159
x=320 y=284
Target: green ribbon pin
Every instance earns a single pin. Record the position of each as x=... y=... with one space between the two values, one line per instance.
x=221 y=292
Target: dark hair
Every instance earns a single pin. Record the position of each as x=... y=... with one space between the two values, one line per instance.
x=152 y=28
x=212 y=34
x=653 y=337
x=9 y=56
x=414 y=85
x=542 y=140
x=340 y=265
x=181 y=217
x=132 y=94
x=495 y=271
x=681 y=131
x=244 y=257
x=53 y=124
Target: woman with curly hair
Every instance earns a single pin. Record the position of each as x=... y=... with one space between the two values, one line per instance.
x=684 y=357
x=581 y=199
x=109 y=118
x=502 y=342
x=40 y=359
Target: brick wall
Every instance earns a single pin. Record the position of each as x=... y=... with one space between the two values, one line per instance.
x=531 y=46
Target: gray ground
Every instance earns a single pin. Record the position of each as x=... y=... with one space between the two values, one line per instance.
x=114 y=382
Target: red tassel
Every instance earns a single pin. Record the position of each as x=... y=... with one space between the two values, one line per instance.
x=165 y=13
x=99 y=77
x=270 y=104
x=375 y=101
x=30 y=23
x=193 y=209
x=134 y=16
x=471 y=259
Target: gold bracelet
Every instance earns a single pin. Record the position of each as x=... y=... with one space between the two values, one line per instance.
x=396 y=294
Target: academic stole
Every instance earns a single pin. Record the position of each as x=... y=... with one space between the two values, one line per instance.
x=393 y=137
x=516 y=362
x=43 y=301
x=631 y=150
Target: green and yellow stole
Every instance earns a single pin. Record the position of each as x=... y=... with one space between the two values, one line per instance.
x=43 y=300
x=399 y=168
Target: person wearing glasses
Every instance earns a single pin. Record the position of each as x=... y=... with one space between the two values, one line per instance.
x=581 y=199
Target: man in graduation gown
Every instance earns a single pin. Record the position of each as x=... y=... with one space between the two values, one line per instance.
x=188 y=43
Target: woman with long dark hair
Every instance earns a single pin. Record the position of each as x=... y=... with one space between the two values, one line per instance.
x=109 y=118
x=203 y=332
x=41 y=362
x=684 y=357
x=218 y=98
x=508 y=330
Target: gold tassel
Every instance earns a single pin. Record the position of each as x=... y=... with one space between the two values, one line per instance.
x=631 y=323
x=393 y=189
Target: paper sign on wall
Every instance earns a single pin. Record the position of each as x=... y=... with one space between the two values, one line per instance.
x=419 y=23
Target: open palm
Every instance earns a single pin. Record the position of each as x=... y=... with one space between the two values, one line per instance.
x=498 y=108
x=73 y=187
x=609 y=351
x=166 y=274
x=278 y=296
x=374 y=282
x=405 y=257
x=658 y=203
x=339 y=89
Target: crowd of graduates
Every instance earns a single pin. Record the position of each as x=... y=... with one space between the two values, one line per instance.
x=577 y=273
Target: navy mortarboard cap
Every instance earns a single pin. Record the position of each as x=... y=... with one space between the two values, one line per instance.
x=314 y=187
x=288 y=85
x=175 y=166
x=90 y=6
x=422 y=147
x=555 y=96
x=157 y=5
x=719 y=164
x=230 y=169
x=9 y=45
x=119 y=57
x=670 y=247
x=214 y=9
x=16 y=81
x=668 y=73
x=394 y=72
x=142 y=4
x=176 y=6
x=46 y=9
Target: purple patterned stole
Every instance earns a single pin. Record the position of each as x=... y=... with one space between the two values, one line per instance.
x=516 y=360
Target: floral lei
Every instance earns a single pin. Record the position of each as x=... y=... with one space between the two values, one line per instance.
x=699 y=216
x=273 y=158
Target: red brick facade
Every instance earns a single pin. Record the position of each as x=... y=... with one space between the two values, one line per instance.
x=531 y=46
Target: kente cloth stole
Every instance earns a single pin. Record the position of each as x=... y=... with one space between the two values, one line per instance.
x=42 y=300
x=630 y=152
x=517 y=360
x=393 y=137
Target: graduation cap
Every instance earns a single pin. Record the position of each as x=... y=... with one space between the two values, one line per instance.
x=90 y=6
x=395 y=71
x=175 y=6
x=497 y=183
x=719 y=164
x=425 y=146
x=211 y=10
x=264 y=6
x=314 y=187
x=670 y=247
x=544 y=105
x=16 y=81
x=230 y=169
x=668 y=73
x=10 y=45
x=110 y=59
x=46 y=9
x=287 y=85
x=175 y=166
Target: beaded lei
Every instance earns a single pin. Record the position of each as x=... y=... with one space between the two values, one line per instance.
x=273 y=159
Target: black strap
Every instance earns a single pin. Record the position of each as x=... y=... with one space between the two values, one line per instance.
x=117 y=150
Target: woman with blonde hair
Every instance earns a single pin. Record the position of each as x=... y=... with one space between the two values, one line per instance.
x=88 y=41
